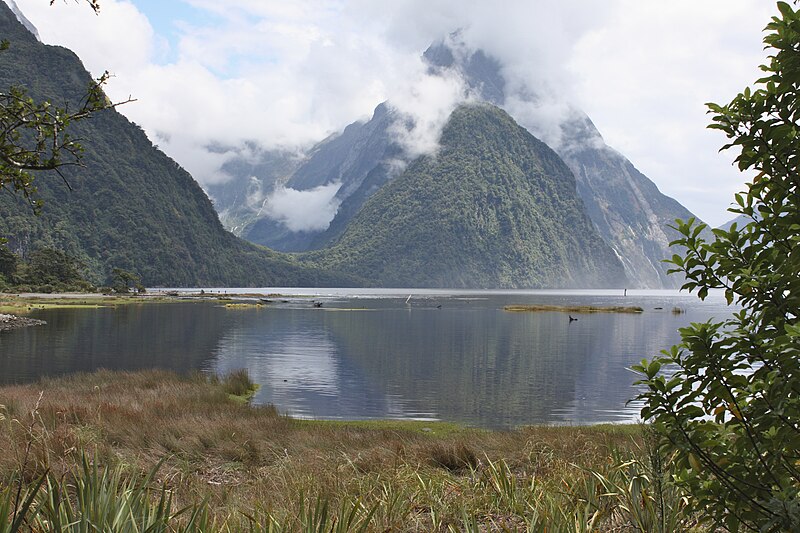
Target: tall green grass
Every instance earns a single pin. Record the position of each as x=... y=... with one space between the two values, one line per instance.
x=624 y=497
x=236 y=384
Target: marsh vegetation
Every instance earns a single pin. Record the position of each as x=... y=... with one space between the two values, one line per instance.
x=131 y=451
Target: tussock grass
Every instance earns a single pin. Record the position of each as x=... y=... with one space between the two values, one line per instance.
x=454 y=457
x=237 y=385
x=573 y=309
x=178 y=454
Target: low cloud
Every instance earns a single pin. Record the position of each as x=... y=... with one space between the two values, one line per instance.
x=422 y=109
x=286 y=75
x=310 y=210
x=255 y=194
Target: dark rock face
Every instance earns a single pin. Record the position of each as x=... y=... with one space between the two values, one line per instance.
x=359 y=158
x=240 y=200
x=480 y=71
x=627 y=208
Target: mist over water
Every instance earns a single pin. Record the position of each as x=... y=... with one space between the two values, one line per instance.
x=373 y=354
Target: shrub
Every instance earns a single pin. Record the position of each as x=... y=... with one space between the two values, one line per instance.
x=731 y=409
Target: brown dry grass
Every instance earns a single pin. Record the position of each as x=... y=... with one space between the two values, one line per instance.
x=251 y=459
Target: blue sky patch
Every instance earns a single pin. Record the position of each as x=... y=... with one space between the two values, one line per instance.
x=167 y=17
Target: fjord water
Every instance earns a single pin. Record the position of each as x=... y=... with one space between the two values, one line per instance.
x=446 y=355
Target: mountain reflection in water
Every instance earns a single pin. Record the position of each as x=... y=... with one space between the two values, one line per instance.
x=375 y=356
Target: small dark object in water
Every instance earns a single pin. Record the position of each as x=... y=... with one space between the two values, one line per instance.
x=572 y=319
x=266 y=300
x=284 y=301
x=439 y=306
x=658 y=308
x=317 y=304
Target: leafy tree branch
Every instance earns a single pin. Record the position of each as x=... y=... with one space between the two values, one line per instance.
x=34 y=136
x=726 y=400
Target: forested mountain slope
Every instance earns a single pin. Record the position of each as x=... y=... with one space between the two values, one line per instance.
x=626 y=207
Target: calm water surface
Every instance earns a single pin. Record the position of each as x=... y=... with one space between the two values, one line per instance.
x=372 y=354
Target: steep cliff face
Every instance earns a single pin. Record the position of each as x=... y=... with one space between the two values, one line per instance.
x=252 y=177
x=23 y=19
x=359 y=160
x=627 y=208
x=130 y=206
x=494 y=207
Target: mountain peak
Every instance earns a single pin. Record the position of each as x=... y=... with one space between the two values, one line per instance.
x=12 y=5
x=128 y=206
x=481 y=72
x=494 y=207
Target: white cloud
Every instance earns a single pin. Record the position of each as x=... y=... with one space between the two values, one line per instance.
x=423 y=104
x=287 y=74
x=121 y=39
x=310 y=210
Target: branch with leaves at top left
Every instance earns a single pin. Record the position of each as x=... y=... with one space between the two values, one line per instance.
x=34 y=135
x=94 y=4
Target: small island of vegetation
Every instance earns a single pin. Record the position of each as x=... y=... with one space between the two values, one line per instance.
x=572 y=309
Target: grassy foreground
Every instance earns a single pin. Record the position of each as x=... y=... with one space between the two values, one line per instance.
x=152 y=451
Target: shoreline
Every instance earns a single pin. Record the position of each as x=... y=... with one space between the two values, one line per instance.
x=15 y=303
x=13 y=306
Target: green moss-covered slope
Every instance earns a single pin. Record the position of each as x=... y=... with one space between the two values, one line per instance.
x=495 y=207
